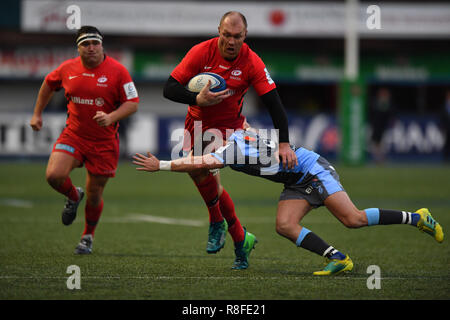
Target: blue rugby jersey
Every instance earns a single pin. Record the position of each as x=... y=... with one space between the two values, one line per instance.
x=251 y=154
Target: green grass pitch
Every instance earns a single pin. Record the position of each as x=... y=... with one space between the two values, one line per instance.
x=151 y=240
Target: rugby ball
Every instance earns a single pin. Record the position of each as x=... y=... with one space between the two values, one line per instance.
x=199 y=81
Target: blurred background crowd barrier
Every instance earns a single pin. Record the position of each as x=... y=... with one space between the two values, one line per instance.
x=396 y=107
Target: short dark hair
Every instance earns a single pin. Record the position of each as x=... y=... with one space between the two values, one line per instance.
x=87 y=29
x=244 y=20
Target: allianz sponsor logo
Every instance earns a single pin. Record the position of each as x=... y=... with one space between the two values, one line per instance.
x=79 y=100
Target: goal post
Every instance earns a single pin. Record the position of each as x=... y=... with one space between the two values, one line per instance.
x=352 y=93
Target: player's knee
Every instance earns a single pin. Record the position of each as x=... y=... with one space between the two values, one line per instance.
x=54 y=179
x=354 y=220
x=94 y=195
x=94 y=201
x=283 y=226
x=349 y=223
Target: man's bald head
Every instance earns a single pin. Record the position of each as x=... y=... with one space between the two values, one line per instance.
x=233 y=17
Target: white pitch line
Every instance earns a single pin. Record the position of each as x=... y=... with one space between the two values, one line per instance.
x=165 y=220
x=139 y=217
x=19 y=203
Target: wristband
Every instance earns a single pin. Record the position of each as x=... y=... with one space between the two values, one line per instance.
x=165 y=165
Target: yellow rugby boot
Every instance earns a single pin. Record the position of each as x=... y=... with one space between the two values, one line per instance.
x=429 y=225
x=335 y=267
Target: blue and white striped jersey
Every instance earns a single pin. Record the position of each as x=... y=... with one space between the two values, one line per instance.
x=249 y=153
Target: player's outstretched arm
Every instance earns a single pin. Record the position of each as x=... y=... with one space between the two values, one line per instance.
x=151 y=163
x=44 y=96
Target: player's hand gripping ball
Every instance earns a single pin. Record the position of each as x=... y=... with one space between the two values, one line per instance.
x=197 y=83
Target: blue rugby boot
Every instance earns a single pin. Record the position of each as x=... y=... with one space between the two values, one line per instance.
x=216 y=236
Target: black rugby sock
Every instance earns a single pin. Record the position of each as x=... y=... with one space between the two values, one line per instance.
x=312 y=242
